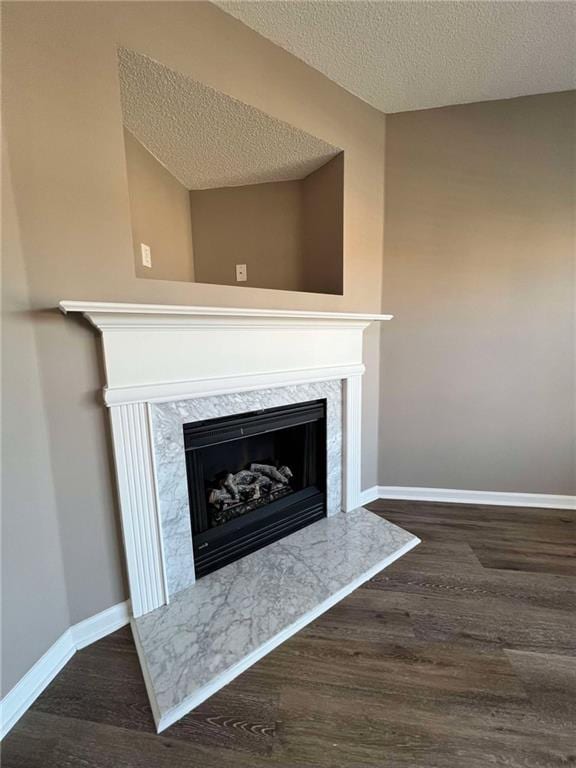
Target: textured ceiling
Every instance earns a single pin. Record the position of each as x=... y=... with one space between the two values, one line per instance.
x=206 y=139
x=406 y=55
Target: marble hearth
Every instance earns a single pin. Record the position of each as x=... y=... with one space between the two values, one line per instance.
x=213 y=631
x=161 y=373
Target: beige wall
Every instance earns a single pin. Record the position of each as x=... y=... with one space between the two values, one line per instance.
x=63 y=126
x=289 y=234
x=323 y=207
x=259 y=225
x=160 y=212
x=477 y=379
x=34 y=601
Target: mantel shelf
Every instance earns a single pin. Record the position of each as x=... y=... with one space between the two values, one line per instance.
x=89 y=308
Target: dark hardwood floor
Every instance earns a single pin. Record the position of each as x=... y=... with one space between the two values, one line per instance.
x=461 y=655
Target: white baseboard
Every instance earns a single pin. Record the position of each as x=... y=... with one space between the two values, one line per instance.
x=456 y=496
x=27 y=690
x=100 y=625
x=369 y=495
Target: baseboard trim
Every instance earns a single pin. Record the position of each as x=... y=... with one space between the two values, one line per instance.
x=456 y=496
x=27 y=690
x=29 y=687
x=104 y=623
x=369 y=495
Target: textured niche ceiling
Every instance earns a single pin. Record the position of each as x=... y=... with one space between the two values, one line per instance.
x=207 y=139
x=406 y=55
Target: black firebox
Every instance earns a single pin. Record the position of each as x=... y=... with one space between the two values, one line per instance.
x=254 y=478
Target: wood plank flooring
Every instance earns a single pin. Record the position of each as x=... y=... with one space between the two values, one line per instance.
x=460 y=655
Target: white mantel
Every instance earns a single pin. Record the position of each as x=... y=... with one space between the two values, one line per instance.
x=154 y=351
x=157 y=353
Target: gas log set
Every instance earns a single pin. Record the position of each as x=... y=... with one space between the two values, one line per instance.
x=243 y=491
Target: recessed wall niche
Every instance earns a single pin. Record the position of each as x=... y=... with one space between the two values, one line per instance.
x=216 y=185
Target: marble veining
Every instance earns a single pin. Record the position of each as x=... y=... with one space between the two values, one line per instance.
x=167 y=420
x=227 y=616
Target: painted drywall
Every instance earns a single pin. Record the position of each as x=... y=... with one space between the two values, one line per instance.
x=322 y=208
x=34 y=602
x=160 y=213
x=259 y=225
x=63 y=126
x=289 y=234
x=477 y=368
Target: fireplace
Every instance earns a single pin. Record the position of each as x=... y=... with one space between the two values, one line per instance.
x=254 y=478
x=286 y=395
x=162 y=373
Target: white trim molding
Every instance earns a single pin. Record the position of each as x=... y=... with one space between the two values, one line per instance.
x=140 y=517
x=89 y=308
x=29 y=687
x=225 y=385
x=458 y=496
x=27 y=690
x=101 y=624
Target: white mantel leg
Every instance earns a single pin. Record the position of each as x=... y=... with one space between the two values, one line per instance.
x=140 y=525
x=352 y=442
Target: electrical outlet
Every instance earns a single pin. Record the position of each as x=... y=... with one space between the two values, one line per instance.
x=146 y=255
x=241 y=273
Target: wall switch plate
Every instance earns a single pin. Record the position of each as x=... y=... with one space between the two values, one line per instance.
x=146 y=255
x=241 y=273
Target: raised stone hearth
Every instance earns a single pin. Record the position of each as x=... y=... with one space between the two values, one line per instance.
x=216 y=629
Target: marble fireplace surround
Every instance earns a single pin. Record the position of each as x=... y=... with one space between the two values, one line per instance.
x=162 y=371
x=167 y=420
